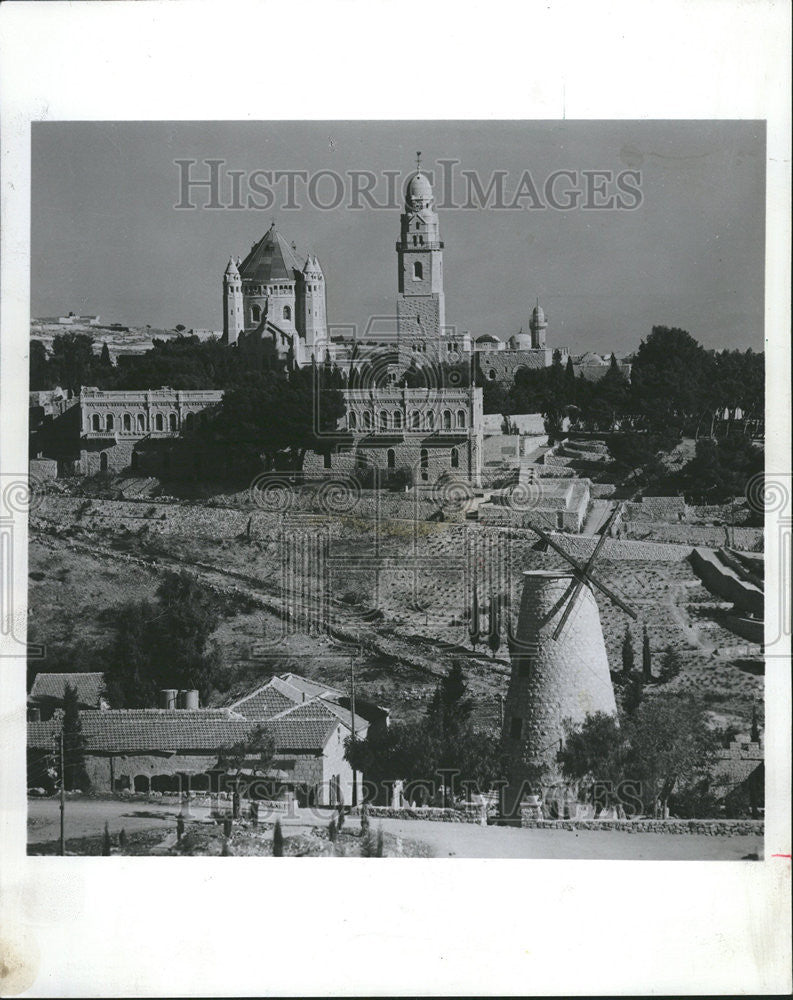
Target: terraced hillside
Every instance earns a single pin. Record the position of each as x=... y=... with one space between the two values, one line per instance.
x=400 y=591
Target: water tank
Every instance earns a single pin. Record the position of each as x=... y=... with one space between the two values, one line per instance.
x=188 y=699
x=168 y=698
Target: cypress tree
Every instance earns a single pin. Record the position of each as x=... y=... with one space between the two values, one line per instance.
x=755 y=735
x=74 y=760
x=106 y=842
x=278 y=840
x=627 y=653
x=647 y=659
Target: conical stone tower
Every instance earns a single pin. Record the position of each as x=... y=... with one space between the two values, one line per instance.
x=552 y=680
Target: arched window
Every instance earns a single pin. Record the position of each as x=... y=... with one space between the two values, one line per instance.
x=461 y=418
x=171 y=421
x=256 y=314
x=424 y=463
x=189 y=420
x=367 y=419
x=287 y=312
x=397 y=420
x=430 y=421
x=140 y=420
x=415 y=241
x=110 y=422
x=127 y=422
x=447 y=420
x=415 y=420
x=159 y=424
x=383 y=420
x=491 y=374
x=95 y=423
x=418 y=226
x=455 y=459
x=391 y=458
x=351 y=420
x=418 y=270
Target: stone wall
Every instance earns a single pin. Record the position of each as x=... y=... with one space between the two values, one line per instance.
x=432 y=813
x=746 y=539
x=708 y=827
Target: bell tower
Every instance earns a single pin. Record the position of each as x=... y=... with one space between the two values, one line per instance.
x=421 y=310
x=233 y=317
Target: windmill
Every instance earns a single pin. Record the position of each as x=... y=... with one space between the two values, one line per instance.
x=582 y=575
x=560 y=669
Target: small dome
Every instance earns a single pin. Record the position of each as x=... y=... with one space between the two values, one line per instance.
x=419 y=188
x=487 y=338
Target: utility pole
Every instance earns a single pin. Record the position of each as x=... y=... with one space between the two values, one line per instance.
x=63 y=799
x=352 y=708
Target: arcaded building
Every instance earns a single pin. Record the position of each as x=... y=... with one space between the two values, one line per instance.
x=430 y=432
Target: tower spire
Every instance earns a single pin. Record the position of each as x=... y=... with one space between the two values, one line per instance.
x=418 y=161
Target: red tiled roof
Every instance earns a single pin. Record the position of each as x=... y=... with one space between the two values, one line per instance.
x=149 y=729
x=203 y=730
x=89 y=686
x=263 y=703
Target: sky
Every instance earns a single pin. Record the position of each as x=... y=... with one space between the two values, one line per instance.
x=108 y=239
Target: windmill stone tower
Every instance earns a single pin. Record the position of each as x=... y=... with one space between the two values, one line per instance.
x=557 y=675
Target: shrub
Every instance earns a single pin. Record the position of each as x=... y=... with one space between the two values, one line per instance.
x=364 y=820
x=106 y=842
x=379 y=849
x=332 y=831
x=369 y=845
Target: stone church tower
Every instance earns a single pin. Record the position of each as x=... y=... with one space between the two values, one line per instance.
x=233 y=317
x=274 y=306
x=421 y=310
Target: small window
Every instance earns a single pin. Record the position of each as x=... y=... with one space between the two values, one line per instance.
x=415 y=420
x=127 y=422
x=95 y=425
x=398 y=420
x=391 y=457
x=159 y=423
x=516 y=727
x=256 y=314
x=447 y=420
x=287 y=312
x=418 y=270
x=110 y=422
x=351 y=421
x=367 y=419
x=418 y=226
x=430 y=421
x=455 y=459
x=461 y=418
x=172 y=421
x=189 y=420
x=383 y=420
x=491 y=374
x=141 y=422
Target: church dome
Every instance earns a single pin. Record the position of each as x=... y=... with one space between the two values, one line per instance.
x=419 y=188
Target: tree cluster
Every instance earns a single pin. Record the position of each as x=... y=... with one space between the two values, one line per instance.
x=665 y=745
x=427 y=752
x=163 y=644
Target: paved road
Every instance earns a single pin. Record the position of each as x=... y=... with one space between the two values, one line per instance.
x=87 y=817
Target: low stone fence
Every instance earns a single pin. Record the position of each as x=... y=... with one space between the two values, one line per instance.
x=467 y=814
x=708 y=827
